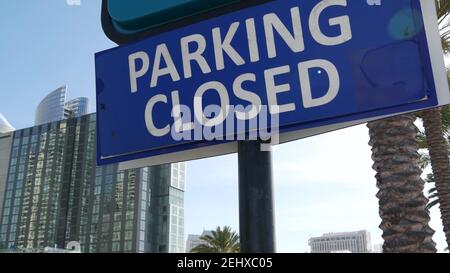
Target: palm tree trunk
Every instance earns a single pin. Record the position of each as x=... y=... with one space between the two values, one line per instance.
x=402 y=203
x=438 y=149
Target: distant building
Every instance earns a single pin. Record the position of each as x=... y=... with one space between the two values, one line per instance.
x=76 y=107
x=377 y=248
x=354 y=242
x=51 y=108
x=54 y=107
x=194 y=240
x=5 y=126
x=52 y=193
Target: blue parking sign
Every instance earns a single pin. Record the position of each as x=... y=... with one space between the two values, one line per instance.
x=294 y=67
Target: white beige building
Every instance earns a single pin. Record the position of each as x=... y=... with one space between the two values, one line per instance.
x=354 y=242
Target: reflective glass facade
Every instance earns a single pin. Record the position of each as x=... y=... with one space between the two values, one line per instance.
x=51 y=108
x=167 y=208
x=54 y=107
x=55 y=194
x=77 y=107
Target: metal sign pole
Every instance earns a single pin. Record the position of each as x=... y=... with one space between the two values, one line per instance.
x=256 y=209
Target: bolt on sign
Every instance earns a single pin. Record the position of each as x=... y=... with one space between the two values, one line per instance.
x=285 y=67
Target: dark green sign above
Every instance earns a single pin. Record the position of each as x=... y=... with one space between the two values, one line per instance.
x=133 y=16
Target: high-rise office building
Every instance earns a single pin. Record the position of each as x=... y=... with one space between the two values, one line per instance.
x=167 y=208
x=354 y=242
x=54 y=107
x=76 y=107
x=56 y=194
x=51 y=108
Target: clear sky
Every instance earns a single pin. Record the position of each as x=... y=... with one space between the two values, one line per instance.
x=322 y=184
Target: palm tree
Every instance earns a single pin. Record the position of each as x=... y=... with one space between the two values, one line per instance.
x=435 y=135
x=425 y=157
x=221 y=241
x=438 y=151
x=402 y=203
x=443 y=9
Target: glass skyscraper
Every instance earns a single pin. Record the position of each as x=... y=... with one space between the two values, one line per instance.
x=76 y=107
x=54 y=194
x=54 y=107
x=168 y=185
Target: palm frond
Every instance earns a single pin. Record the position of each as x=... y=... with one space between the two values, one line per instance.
x=220 y=241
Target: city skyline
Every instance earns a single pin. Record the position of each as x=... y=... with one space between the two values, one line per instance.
x=326 y=184
x=55 y=194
